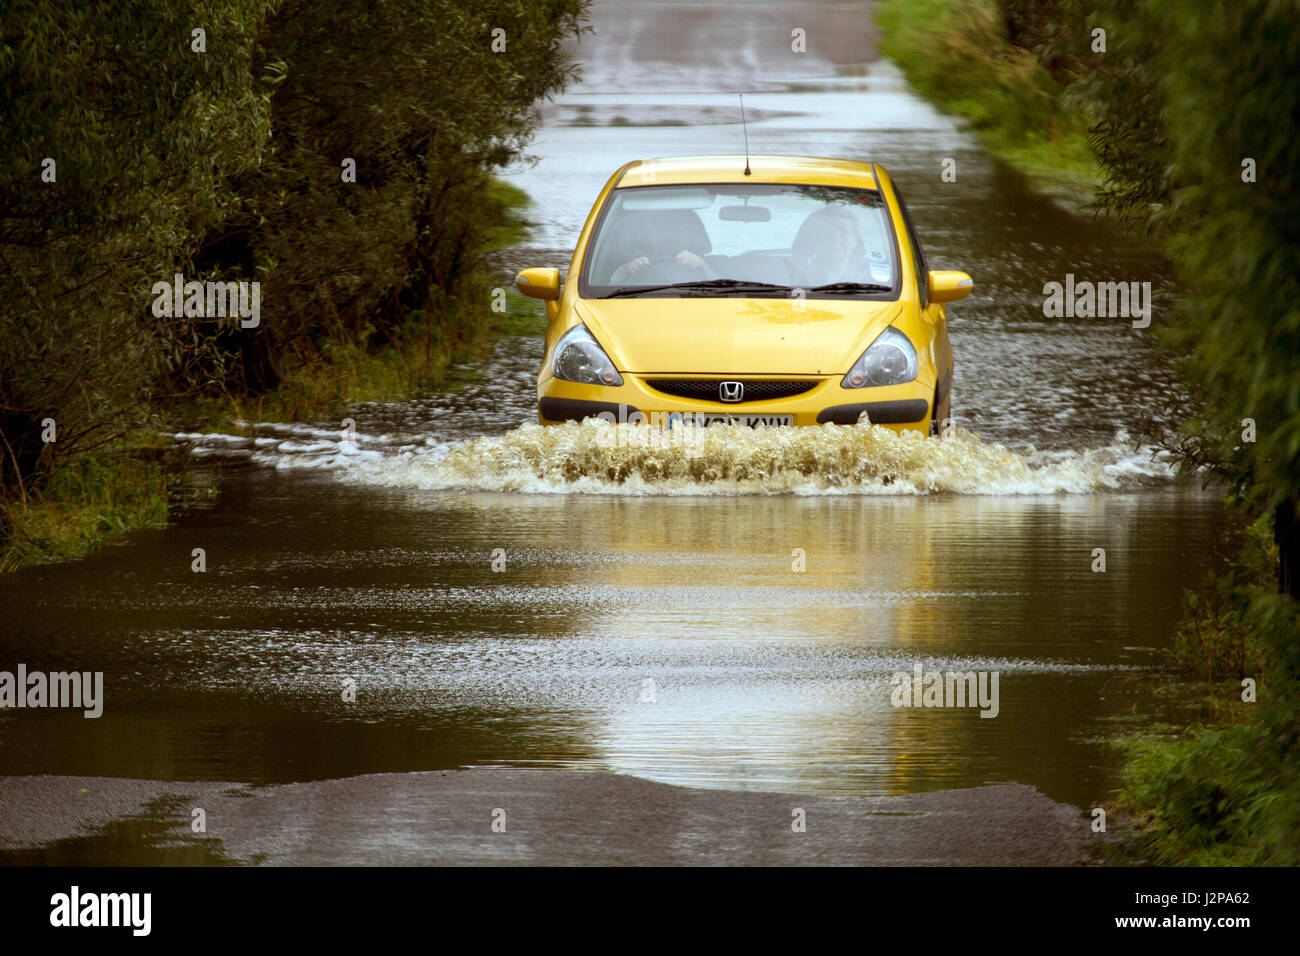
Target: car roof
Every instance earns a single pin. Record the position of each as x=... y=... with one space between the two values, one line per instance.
x=763 y=168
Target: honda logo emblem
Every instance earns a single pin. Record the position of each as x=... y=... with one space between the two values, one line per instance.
x=731 y=391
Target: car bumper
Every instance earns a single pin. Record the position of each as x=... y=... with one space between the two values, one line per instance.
x=905 y=407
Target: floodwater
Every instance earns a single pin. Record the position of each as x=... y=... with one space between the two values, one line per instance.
x=729 y=616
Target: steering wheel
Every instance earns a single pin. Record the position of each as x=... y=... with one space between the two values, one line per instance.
x=666 y=269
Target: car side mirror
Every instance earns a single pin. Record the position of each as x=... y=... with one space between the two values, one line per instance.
x=948 y=285
x=539 y=283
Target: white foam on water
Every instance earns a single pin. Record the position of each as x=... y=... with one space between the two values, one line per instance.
x=599 y=458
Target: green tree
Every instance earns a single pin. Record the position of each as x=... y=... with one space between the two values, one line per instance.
x=221 y=158
x=118 y=145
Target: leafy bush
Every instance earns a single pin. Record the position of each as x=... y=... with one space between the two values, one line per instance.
x=1197 y=96
x=226 y=163
x=145 y=137
x=1003 y=74
x=1216 y=637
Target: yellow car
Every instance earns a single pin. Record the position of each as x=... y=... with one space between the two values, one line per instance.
x=764 y=291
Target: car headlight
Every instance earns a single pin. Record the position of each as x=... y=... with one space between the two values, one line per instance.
x=890 y=360
x=578 y=358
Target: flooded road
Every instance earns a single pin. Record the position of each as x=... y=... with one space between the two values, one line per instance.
x=500 y=595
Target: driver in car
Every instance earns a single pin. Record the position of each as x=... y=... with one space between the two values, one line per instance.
x=659 y=237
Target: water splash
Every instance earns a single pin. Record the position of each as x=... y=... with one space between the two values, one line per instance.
x=594 y=457
x=599 y=458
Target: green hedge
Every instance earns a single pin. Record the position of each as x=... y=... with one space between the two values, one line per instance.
x=227 y=163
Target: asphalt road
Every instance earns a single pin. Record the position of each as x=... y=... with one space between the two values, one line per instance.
x=670 y=44
x=549 y=817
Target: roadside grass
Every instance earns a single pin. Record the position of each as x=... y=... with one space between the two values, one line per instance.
x=958 y=55
x=1200 y=796
x=84 y=503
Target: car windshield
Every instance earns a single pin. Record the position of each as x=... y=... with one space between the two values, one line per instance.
x=742 y=239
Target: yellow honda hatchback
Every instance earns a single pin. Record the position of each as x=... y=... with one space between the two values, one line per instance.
x=764 y=291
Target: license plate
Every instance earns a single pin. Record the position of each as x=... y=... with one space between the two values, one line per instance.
x=749 y=421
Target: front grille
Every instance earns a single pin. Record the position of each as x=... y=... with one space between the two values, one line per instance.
x=706 y=389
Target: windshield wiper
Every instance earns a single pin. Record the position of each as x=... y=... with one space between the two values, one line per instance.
x=852 y=287
x=729 y=285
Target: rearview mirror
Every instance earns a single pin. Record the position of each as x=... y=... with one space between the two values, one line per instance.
x=745 y=214
x=539 y=283
x=949 y=285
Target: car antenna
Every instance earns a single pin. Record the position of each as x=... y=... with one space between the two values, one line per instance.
x=745 y=127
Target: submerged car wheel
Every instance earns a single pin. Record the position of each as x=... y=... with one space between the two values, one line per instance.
x=939 y=416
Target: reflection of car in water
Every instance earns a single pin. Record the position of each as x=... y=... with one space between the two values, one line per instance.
x=790 y=290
